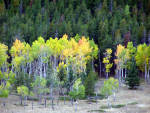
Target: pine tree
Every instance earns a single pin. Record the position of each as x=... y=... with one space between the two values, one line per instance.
x=132 y=79
x=90 y=83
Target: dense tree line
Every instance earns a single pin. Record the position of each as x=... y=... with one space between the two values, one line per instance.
x=108 y=22
x=46 y=65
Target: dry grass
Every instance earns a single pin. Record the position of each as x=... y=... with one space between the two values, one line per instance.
x=134 y=101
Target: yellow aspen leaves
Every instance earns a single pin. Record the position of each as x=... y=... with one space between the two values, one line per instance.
x=3 y=54
x=106 y=60
x=142 y=56
x=17 y=48
x=122 y=55
x=69 y=51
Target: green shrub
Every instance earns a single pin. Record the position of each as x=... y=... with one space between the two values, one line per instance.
x=23 y=91
x=23 y=79
x=4 y=89
x=109 y=86
x=39 y=86
x=7 y=79
x=78 y=90
x=4 y=93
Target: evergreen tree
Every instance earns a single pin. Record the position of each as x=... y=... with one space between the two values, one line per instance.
x=132 y=79
x=90 y=83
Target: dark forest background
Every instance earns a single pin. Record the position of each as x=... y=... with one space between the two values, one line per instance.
x=107 y=22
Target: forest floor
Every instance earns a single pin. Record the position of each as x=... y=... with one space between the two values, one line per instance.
x=127 y=101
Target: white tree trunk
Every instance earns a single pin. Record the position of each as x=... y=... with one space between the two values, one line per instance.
x=122 y=75
x=67 y=68
x=145 y=72
x=148 y=76
x=108 y=102
x=55 y=64
x=93 y=65
x=44 y=71
x=114 y=95
x=30 y=69
x=44 y=66
x=99 y=64
x=119 y=77
x=107 y=75
x=117 y=74
x=40 y=66
x=125 y=72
